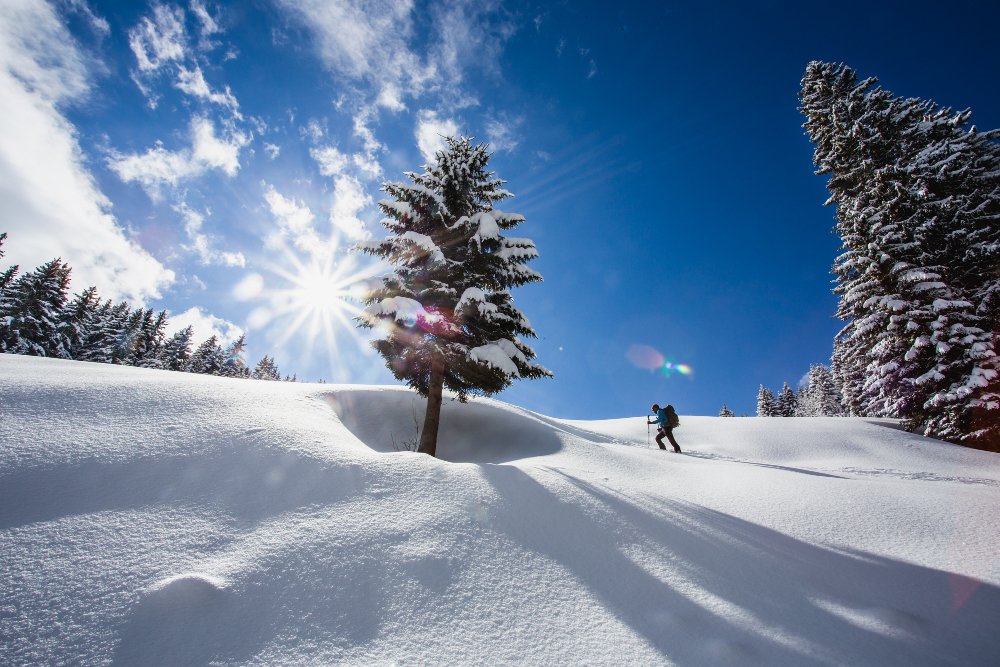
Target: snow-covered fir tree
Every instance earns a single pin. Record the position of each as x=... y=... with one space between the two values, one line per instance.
x=446 y=309
x=766 y=405
x=918 y=199
x=78 y=314
x=208 y=359
x=176 y=350
x=103 y=326
x=149 y=340
x=804 y=406
x=31 y=309
x=266 y=369
x=7 y=276
x=785 y=403
x=823 y=394
x=726 y=412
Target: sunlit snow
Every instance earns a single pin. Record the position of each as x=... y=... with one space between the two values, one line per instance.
x=160 y=518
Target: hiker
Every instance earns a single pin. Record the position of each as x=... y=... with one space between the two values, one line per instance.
x=666 y=419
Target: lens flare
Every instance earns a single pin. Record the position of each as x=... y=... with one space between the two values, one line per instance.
x=249 y=287
x=644 y=356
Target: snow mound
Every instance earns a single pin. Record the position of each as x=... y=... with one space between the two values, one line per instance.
x=158 y=518
x=482 y=430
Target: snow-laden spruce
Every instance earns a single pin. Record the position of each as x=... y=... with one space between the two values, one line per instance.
x=766 y=405
x=785 y=404
x=446 y=310
x=918 y=205
x=820 y=396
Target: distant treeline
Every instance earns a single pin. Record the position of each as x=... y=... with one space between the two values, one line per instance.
x=38 y=318
x=820 y=398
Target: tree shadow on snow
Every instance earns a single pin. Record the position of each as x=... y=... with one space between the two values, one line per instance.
x=787 y=602
x=729 y=459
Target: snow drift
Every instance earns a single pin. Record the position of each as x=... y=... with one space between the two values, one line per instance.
x=158 y=518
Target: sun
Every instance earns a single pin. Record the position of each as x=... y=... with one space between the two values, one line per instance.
x=320 y=300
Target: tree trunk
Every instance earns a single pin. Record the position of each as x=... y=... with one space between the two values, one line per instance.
x=429 y=436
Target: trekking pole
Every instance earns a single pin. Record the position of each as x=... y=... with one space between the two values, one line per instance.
x=647 y=432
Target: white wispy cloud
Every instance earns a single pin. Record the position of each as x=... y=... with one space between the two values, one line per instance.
x=272 y=150
x=202 y=244
x=161 y=47
x=313 y=130
x=193 y=83
x=97 y=23
x=431 y=131
x=51 y=204
x=349 y=199
x=334 y=163
x=158 y=39
x=390 y=98
x=374 y=41
x=158 y=166
x=208 y=24
x=204 y=325
x=362 y=130
x=501 y=132
x=366 y=40
x=331 y=161
x=295 y=221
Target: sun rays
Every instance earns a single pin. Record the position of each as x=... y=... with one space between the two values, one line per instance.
x=316 y=303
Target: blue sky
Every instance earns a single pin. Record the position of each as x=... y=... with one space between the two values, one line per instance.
x=218 y=160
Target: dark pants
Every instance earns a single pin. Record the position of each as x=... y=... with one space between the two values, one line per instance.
x=669 y=432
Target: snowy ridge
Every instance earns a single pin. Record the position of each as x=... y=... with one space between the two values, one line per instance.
x=154 y=518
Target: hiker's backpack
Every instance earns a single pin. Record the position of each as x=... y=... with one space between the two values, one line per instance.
x=672 y=419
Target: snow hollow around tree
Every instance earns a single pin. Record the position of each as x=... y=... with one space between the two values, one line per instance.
x=156 y=518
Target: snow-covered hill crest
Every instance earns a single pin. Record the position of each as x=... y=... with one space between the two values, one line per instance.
x=151 y=517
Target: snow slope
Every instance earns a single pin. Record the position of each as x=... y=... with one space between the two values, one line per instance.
x=159 y=518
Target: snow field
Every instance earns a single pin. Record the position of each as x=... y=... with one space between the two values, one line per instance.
x=154 y=518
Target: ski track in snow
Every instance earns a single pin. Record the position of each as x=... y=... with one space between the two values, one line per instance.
x=158 y=518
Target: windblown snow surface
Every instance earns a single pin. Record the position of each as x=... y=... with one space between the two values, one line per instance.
x=159 y=518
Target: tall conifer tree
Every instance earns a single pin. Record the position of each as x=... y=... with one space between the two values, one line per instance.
x=446 y=309
x=918 y=211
